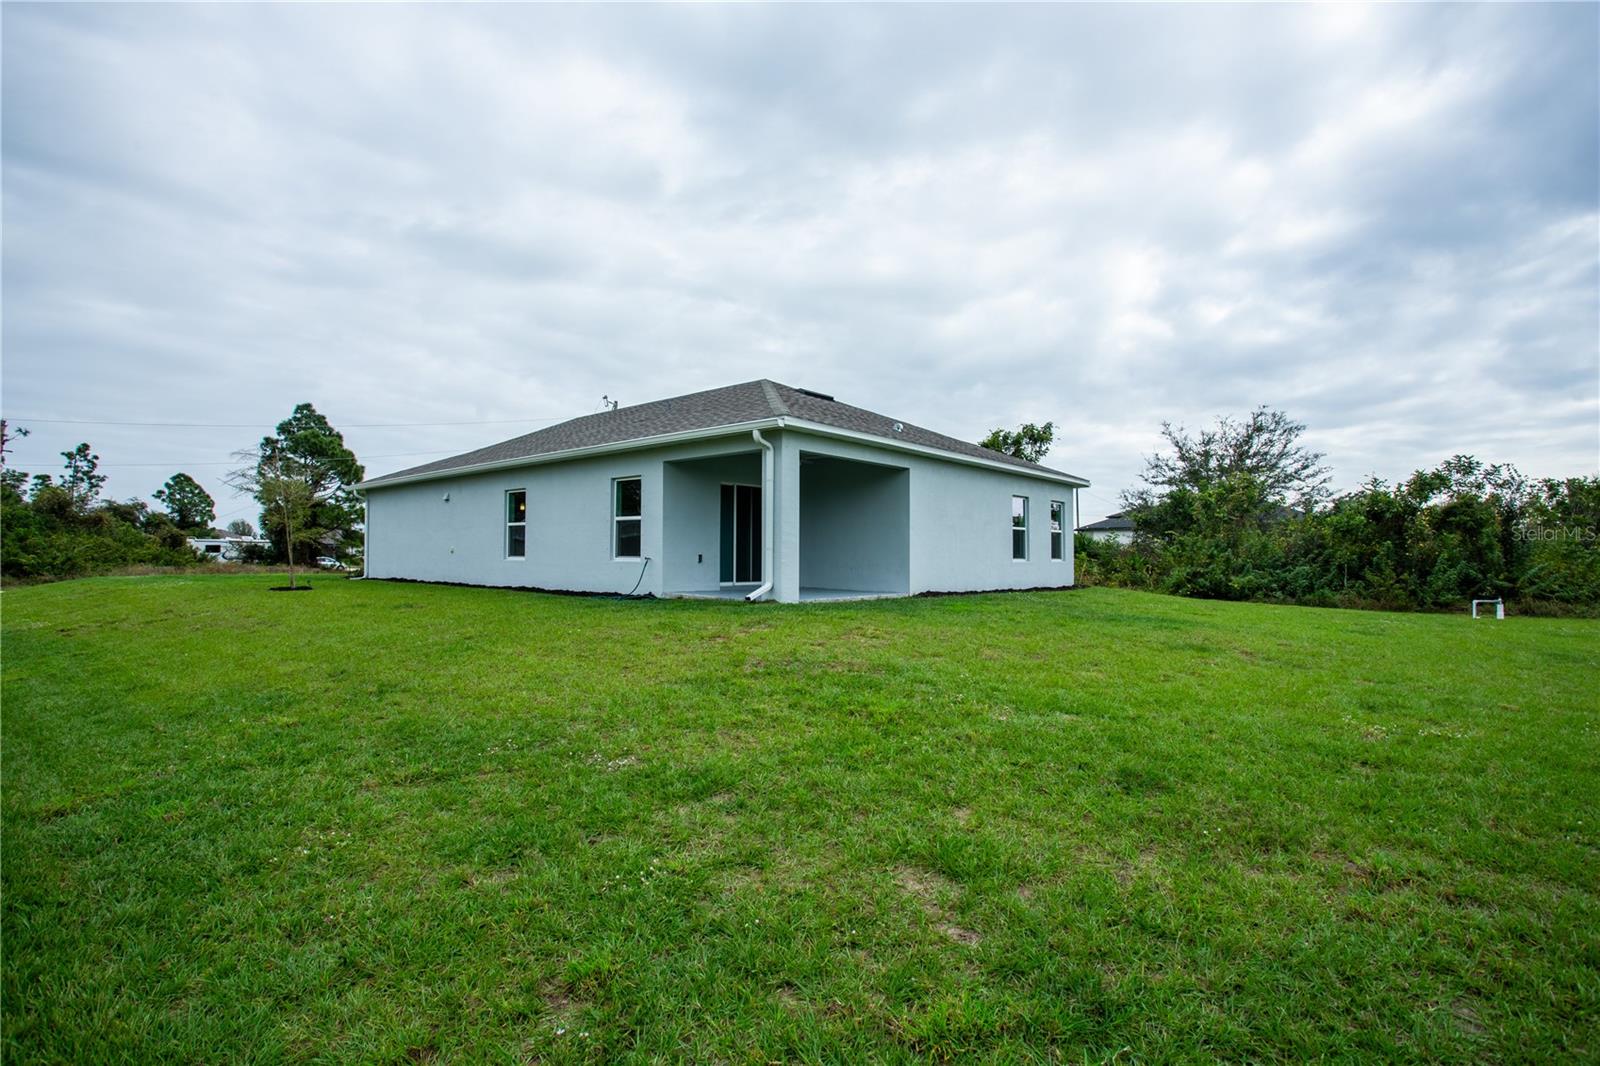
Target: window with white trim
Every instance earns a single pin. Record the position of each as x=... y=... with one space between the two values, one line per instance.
x=627 y=518
x=1019 y=527
x=516 y=524
x=1058 y=533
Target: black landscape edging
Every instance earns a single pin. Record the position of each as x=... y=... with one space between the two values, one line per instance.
x=514 y=588
x=650 y=596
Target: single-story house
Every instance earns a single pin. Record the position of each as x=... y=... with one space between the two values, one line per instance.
x=1117 y=527
x=229 y=548
x=757 y=490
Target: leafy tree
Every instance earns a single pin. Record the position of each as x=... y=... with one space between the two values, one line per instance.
x=133 y=512
x=1462 y=530
x=166 y=531
x=1028 y=441
x=7 y=435
x=285 y=491
x=58 y=530
x=1560 y=530
x=11 y=481
x=82 y=480
x=188 y=505
x=241 y=528
x=51 y=535
x=306 y=449
x=1270 y=473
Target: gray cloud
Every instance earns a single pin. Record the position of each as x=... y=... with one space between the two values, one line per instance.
x=1383 y=220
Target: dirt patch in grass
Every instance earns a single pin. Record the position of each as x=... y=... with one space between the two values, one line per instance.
x=558 y=999
x=1142 y=865
x=1352 y=870
x=929 y=889
x=960 y=934
x=610 y=766
x=1465 y=1016
x=925 y=885
x=738 y=879
x=492 y=878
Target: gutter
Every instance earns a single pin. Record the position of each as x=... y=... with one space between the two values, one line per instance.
x=766 y=515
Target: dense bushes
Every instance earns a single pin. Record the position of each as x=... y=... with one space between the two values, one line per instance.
x=51 y=528
x=54 y=534
x=1461 y=531
x=60 y=528
x=1241 y=512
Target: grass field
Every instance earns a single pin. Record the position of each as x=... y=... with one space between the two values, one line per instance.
x=383 y=822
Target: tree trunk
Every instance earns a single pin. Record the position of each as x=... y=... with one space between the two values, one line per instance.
x=288 y=542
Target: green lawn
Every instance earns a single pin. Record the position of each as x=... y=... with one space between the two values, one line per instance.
x=383 y=822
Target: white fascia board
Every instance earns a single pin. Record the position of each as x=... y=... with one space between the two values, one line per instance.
x=657 y=441
x=876 y=441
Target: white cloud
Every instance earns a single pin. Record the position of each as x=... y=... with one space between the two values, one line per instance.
x=1382 y=219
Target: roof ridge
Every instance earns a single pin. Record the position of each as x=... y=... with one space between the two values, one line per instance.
x=769 y=387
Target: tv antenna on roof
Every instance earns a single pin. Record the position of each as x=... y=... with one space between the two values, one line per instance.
x=608 y=403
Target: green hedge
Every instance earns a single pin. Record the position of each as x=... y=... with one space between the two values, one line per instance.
x=1443 y=538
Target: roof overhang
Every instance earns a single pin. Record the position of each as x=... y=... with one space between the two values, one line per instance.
x=569 y=454
x=873 y=440
x=717 y=432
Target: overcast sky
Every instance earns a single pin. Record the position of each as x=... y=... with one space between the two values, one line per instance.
x=1384 y=222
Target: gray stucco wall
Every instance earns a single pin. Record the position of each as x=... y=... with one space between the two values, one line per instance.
x=854 y=526
x=961 y=531
x=413 y=533
x=692 y=533
x=958 y=522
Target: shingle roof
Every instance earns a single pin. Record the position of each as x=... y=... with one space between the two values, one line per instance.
x=751 y=401
x=1118 y=521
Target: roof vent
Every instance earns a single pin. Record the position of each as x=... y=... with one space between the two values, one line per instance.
x=817 y=395
x=899 y=427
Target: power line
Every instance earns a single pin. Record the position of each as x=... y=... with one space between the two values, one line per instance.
x=272 y=425
x=177 y=463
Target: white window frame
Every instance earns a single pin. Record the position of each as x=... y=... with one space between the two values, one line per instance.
x=1026 y=545
x=510 y=525
x=1058 y=528
x=617 y=519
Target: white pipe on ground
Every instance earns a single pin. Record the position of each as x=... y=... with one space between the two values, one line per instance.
x=766 y=516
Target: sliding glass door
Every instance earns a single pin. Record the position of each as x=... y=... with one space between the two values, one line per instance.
x=741 y=535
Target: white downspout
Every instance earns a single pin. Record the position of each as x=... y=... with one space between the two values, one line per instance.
x=766 y=515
